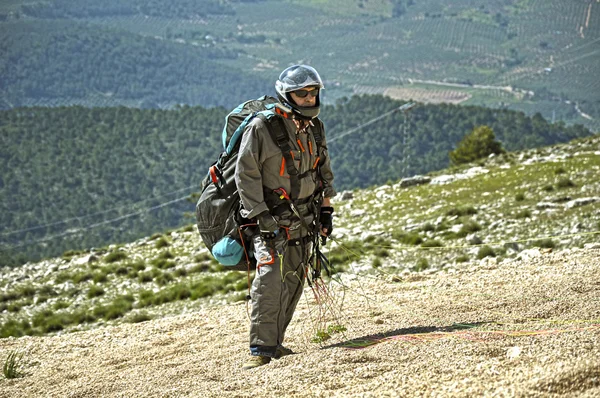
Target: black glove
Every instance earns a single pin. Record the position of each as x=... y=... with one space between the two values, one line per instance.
x=326 y=219
x=268 y=227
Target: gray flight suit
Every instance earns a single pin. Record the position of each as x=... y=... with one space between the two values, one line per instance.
x=280 y=273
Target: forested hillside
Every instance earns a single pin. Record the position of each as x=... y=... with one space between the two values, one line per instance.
x=75 y=177
x=532 y=56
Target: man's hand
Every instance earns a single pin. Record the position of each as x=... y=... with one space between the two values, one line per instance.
x=326 y=220
x=268 y=228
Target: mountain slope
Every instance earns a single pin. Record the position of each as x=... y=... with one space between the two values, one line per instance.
x=515 y=205
x=525 y=327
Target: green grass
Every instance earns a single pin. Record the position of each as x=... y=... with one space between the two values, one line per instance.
x=12 y=367
x=115 y=256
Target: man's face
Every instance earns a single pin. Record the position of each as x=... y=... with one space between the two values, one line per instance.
x=306 y=96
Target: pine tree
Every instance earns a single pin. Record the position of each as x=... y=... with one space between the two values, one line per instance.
x=478 y=144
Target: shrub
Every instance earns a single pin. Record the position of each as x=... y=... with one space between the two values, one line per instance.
x=468 y=228
x=155 y=236
x=138 y=317
x=115 y=256
x=82 y=277
x=520 y=197
x=523 y=213
x=407 y=238
x=485 y=251
x=544 y=243
x=428 y=227
x=422 y=264
x=199 y=258
x=462 y=258
x=99 y=277
x=161 y=242
x=12 y=365
x=14 y=328
x=432 y=243
x=95 y=291
x=479 y=143
x=144 y=277
x=565 y=183
x=462 y=211
x=164 y=279
x=376 y=262
x=60 y=304
x=548 y=188
x=560 y=170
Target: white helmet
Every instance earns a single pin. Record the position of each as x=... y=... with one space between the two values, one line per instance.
x=295 y=78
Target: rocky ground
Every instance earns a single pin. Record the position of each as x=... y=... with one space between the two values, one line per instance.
x=528 y=326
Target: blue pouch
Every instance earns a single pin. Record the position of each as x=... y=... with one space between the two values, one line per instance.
x=228 y=251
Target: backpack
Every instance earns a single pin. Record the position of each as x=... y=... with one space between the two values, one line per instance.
x=217 y=210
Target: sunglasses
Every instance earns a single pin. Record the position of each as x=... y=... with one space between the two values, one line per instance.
x=303 y=93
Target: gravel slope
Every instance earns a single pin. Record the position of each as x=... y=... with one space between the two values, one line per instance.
x=526 y=327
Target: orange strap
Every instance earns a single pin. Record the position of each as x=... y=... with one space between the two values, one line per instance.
x=282 y=169
x=310 y=147
x=300 y=145
x=316 y=162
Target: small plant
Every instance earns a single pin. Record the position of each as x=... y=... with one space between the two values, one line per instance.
x=99 y=277
x=432 y=243
x=407 y=238
x=462 y=258
x=485 y=251
x=524 y=213
x=115 y=256
x=548 y=188
x=428 y=227
x=422 y=264
x=321 y=336
x=202 y=257
x=462 y=211
x=95 y=291
x=468 y=228
x=520 y=197
x=188 y=228
x=565 y=183
x=376 y=262
x=138 y=317
x=161 y=242
x=12 y=365
x=544 y=243
x=560 y=170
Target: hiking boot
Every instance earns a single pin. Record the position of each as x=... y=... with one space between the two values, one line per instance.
x=255 y=361
x=283 y=351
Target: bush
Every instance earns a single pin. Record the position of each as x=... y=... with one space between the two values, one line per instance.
x=468 y=228
x=407 y=238
x=548 y=188
x=99 y=277
x=376 y=263
x=485 y=251
x=478 y=144
x=565 y=183
x=519 y=197
x=432 y=243
x=115 y=256
x=138 y=317
x=161 y=242
x=82 y=277
x=462 y=211
x=422 y=264
x=95 y=291
x=462 y=258
x=524 y=213
x=544 y=243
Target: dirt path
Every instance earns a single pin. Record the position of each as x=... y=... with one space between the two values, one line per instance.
x=521 y=328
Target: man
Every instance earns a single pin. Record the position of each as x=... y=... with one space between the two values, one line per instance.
x=290 y=202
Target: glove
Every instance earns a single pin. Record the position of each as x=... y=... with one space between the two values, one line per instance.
x=326 y=219
x=268 y=227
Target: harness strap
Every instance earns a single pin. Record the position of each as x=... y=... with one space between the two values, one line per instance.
x=279 y=135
